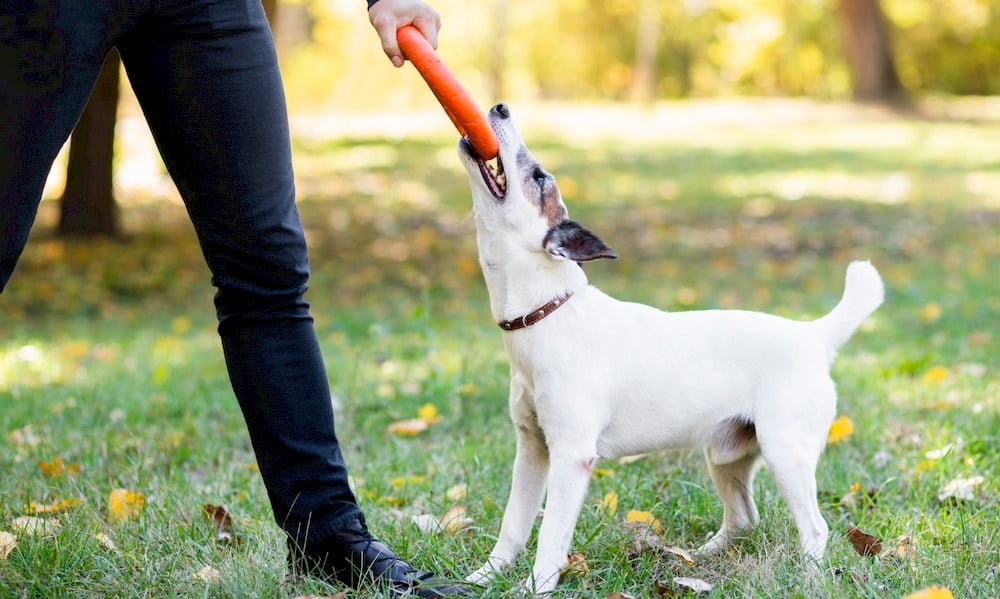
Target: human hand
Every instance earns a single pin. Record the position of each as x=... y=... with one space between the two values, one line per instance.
x=387 y=16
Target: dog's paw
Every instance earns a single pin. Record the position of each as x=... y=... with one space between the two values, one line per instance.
x=482 y=575
x=541 y=583
x=717 y=544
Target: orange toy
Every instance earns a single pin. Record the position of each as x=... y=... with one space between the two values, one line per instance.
x=457 y=103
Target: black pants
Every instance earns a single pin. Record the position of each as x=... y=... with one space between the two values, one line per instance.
x=206 y=75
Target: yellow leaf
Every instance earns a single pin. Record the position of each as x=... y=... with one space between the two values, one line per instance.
x=454 y=520
x=935 y=374
x=7 y=544
x=645 y=518
x=402 y=481
x=57 y=467
x=576 y=564
x=429 y=412
x=408 y=428
x=457 y=492
x=931 y=312
x=609 y=504
x=934 y=592
x=840 y=429
x=40 y=508
x=124 y=504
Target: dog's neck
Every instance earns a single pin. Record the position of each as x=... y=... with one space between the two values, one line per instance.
x=519 y=282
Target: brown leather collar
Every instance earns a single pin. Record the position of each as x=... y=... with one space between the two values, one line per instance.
x=532 y=318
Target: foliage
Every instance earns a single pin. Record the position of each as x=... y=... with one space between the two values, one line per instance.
x=578 y=49
x=111 y=374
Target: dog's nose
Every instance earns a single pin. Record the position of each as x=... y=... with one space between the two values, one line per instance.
x=501 y=110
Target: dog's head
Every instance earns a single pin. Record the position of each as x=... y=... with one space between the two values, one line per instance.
x=518 y=200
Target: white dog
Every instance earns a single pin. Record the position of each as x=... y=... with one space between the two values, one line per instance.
x=594 y=377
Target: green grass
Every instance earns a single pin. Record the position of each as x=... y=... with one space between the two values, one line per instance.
x=108 y=352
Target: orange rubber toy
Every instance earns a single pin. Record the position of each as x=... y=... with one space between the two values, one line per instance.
x=457 y=103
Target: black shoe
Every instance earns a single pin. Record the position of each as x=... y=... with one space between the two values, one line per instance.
x=353 y=557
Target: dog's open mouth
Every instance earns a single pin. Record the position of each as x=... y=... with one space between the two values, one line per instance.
x=492 y=171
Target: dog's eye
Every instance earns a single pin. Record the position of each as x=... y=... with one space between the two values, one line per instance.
x=540 y=176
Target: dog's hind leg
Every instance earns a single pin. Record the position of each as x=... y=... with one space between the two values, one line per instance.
x=531 y=466
x=791 y=440
x=734 y=483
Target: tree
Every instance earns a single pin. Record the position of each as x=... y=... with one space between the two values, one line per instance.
x=869 y=52
x=646 y=41
x=88 y=203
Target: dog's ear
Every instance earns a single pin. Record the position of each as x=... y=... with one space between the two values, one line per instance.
x=570 y=241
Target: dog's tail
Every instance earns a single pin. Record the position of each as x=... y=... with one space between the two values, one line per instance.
x=863 y=293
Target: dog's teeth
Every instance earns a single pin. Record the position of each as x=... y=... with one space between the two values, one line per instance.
x=502 y=180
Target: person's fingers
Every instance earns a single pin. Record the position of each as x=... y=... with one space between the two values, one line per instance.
x=385 y=25
x=428 y=26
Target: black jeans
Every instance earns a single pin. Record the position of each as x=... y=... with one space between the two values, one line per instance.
x=206 y=75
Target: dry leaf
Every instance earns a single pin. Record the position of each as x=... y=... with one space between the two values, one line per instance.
x=24 y=437
x=427 y=523
x=840 y=429
x=57 y=467
x=124 y=504
x=644 y=517
x=906 y=547
x=624 y=461
x=454 y=520
x=576 y=565
x=937 y=454
x=105 y=541
x=40 y=508
x=408 y=428
x=222 y=521
x=961 y=488
x=31 y=525
x=695 y=584
x=609 y=505
x=429 y=413
x=934 y=592
x=7 y=544
x=618 y=595
x=865 y=544
x=208 y=574
x=457 y=492
x=683 y=554
x=642 y=537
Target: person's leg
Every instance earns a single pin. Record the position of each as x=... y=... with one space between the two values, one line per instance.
x=50 y=55
x=207 y=78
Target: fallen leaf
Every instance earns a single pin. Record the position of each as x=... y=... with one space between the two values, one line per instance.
x=427 y=523
x=457 y=492
x=906 y=547
x=934 y=592
x=618 y=595
x=124 y=504
x=934 y=374
x=609 y=505
x=930 y=312
x=695 y=584
x=429 y=413
x=840 y=429
x=865 y=544
x=32 y=525
x=454 y=520
x=683 y=554
x=105 y=541
x=642 y=537
x=208 y=574
x=961 y=488
x=624 y=461
x=63 y=504
x=24 y=437
x=7 y=544
x=408 y=428
x=850 y=498
x=57 y=467
x=401 y=481
x=603 y=473
x=576 y=564
x=937 y=454
x=222 y=521
x=644 y=517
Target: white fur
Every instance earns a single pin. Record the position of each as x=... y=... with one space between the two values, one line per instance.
x=605 y=378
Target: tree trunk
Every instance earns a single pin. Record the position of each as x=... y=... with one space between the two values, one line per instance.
x=646 y=41
x=869 y=52
x=271 y=10
x=88 y=203
x=498 y=50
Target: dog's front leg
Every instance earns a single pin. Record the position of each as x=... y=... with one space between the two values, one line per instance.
x=527 y=489
x=570 y=469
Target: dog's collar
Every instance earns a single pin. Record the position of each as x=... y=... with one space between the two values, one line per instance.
x=532 y=318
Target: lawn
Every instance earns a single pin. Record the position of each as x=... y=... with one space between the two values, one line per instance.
x=109 y=360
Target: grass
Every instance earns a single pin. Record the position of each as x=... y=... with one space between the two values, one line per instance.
x=108 y=353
